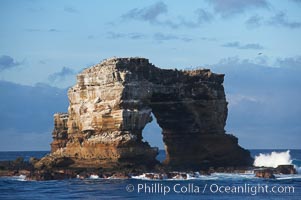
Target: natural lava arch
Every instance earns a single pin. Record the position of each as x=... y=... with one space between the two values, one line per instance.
x=113 y=101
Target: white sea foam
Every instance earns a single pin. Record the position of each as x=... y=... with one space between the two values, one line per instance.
x=19 y=178
x=273 y=159
x=141 y=177
x=93 y=176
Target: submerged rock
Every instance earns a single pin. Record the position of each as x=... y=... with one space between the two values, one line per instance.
x=112 y=102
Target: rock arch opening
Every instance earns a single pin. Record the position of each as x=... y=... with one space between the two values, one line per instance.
x=152 y=133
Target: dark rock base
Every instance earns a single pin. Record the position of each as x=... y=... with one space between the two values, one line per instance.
x=158 y=171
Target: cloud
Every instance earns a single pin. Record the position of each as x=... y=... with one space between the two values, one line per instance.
x=42 y=30
x=30 y=108
x=70 y=9
x=152 y=14
x=61 y=75
x=7 y=62
x=53 y=30
x=36 y=9
x=208 y=38
x=203 y=16
x=149 y=13
x=228 y=8
x=237 y=99
x=33 y=30
x=43 y=62
x=91 y=37
x=133 y=36
x=160 y=37
x=280 y=19
x=237 y=45
x=27 y=114
x=291 y=62
x=254 y=21
x=114 y=35
x=264 y=101
x=136 y=36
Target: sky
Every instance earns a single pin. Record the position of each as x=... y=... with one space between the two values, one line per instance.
x=255 y=43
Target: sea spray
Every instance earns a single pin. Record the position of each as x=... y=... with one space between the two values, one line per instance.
x=273 y=159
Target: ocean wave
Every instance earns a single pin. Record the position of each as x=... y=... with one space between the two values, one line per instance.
x=288 y=177
x=273 y=159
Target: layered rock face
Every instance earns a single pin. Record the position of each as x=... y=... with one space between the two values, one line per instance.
x=59 y=133
x=113 y=101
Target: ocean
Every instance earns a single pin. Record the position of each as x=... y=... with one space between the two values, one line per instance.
x=214 y=186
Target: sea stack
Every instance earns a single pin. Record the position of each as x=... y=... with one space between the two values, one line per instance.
x=113 y=101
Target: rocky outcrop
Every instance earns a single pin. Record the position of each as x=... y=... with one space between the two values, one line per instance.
x=268 y=172
x=285 y=169
x=113 y=101
x=60 y=130
x=264 y=173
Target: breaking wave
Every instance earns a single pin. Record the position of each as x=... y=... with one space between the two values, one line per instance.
x=273 y=159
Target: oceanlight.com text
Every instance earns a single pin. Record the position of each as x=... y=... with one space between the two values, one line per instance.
x=213 y=188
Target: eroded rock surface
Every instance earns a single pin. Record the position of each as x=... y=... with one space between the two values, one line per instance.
x=113 y=101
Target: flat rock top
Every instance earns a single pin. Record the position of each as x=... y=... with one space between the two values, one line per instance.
x=115 y=60
x=142 y=65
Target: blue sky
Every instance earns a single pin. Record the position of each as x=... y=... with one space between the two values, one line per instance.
x=256 y=43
